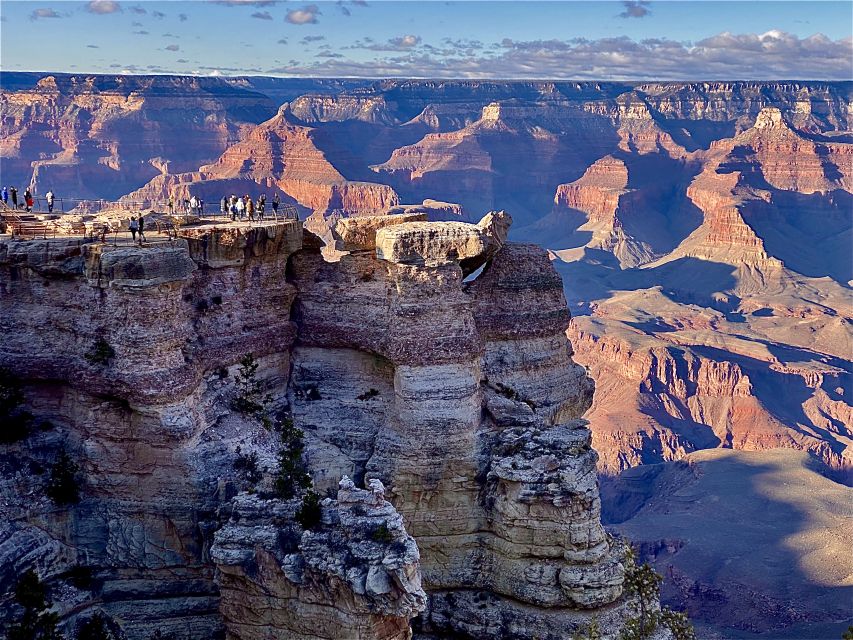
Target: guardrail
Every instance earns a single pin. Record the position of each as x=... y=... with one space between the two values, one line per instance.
x=88 y=206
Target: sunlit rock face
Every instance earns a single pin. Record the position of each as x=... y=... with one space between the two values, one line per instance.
x=102 y=136
x=148 y=421
x=356 y=575
x=463 y=399
x=458 y=395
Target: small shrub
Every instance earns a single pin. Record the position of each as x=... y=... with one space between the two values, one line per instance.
x=216 y=299
x=96 y=628
x=643 y=584
x=309 y=513
x=367 y=395
x=36 y=622
x=81 y=577
x=246 y=466
x=251 y=399
x=592 y=632
x=381 y=534
x=101 y=353
x=292 y=473
x=201 y=305
x=309 y=392
x=848 y=635
x=15 y=422
x=62 y=486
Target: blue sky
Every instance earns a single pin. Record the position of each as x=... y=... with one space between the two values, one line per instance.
x=674 y=40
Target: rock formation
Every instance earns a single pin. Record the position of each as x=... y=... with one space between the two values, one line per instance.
x=102 y=136
x=356 y=576
x=459 y=396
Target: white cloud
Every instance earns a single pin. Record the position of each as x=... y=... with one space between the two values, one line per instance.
x=767 y=56
x=103 y=7
x=635 y=9
x=306 y=15
x=44 y=13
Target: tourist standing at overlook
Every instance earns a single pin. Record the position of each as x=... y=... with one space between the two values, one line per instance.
x=14 y=193
x=239 y=207
x=49 y=197
x=171 y=206
x=275 y=202
x=5 y=195
x=262 y=204
x=141 y=230
x=28 y=199
x=223 y=206
x=134 y=227
x=250 y=208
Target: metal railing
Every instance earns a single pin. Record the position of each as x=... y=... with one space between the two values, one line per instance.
x=90 y=206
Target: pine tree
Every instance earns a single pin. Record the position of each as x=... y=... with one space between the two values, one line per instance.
x=36 y=622
x=251 y=399
x=292 y=473
x=62 y=487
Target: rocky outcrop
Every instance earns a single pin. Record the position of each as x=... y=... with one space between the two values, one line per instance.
x=443 y=243
x=460 y=397
x=440 y=395
x=126 y=351
x=355 y=576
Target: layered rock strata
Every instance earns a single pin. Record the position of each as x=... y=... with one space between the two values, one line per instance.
x=125 y=352
x=355 y=576
x=459 y=394
x=403 y=372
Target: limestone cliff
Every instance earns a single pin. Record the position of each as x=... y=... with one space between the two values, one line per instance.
x=460 y=395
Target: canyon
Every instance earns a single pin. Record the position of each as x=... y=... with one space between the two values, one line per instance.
x=702 y=232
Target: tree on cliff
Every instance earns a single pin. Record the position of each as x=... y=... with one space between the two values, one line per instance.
x=36 y=622
x=251 y=398
x=292 y=474
x=642 y=584
x=15 y=422
x=63 y=486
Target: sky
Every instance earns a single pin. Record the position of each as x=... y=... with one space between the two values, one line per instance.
x=598 y=40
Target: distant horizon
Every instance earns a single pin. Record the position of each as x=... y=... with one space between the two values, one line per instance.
x=424 y=78
x=603 y=40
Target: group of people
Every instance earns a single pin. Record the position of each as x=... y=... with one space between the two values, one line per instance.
x=241 y=208
x=27 y=202
x=193 y=205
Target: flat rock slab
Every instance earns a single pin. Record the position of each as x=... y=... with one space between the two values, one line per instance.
x=359 y=233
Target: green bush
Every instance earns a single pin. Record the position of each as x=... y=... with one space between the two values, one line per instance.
x=96 y=628
x=63 y=484
x=642 y=583
x=101 y=352
x=381 y=534
x=15 y=422
x=292 y=472
x=592 y=632
x=246 y=466
x=367 y=395
x=36 y=622
x=251 y=399
x=309 y=514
